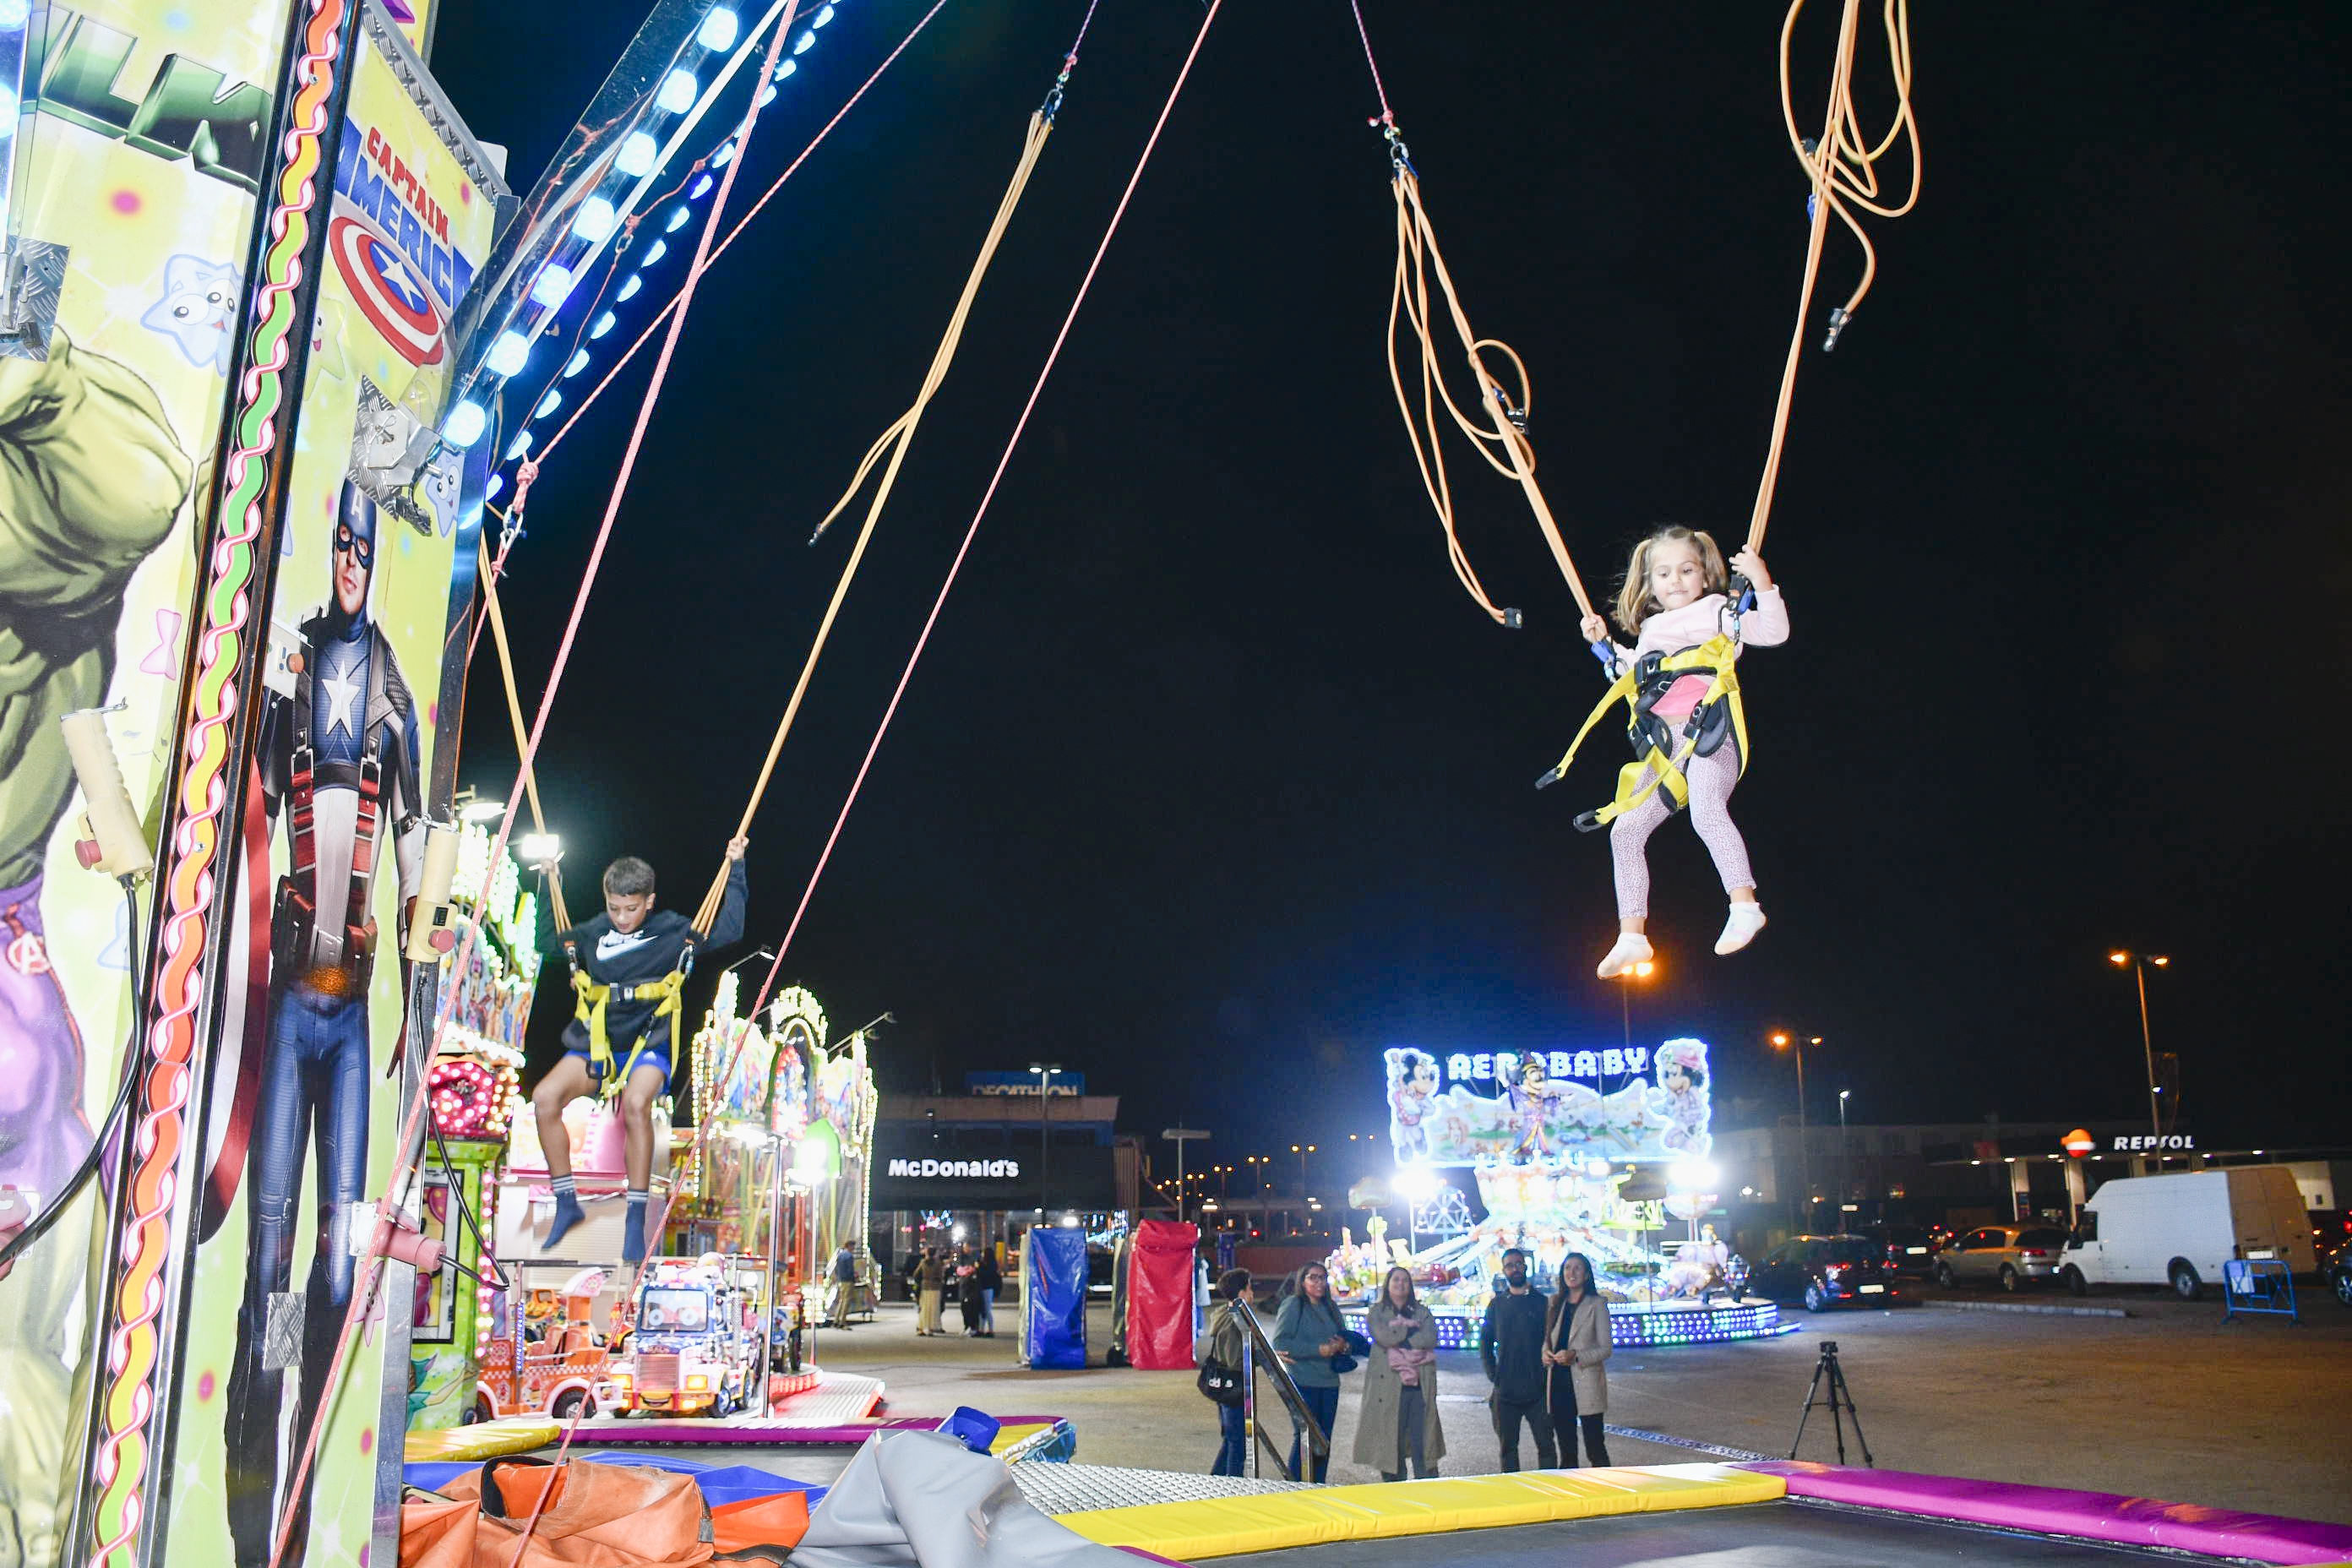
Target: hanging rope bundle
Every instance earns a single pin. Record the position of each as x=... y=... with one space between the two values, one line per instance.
x=889 y=451
x=1843 y=164
x=1500 y=433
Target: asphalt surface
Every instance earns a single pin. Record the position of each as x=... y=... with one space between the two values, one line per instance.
x=2168 y=1403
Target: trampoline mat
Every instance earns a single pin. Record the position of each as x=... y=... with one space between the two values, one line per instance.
x=1757 y=1535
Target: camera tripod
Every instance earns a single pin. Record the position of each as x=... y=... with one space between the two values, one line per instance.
x=1840 y=1401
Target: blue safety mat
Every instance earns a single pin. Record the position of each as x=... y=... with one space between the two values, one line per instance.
x=719 y=1483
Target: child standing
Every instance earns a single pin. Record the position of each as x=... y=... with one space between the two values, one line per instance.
x=628 y=964
x=1677 y=596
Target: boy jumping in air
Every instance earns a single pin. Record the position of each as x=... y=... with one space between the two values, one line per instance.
x=628 y=967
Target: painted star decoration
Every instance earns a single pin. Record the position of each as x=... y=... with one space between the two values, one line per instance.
x=342 y=694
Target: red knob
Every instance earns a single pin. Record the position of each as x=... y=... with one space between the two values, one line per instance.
x=87 y=851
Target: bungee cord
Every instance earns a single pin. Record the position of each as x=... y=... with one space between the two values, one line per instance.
x=1843 y=165
x=409 y=1148
x=955 y=567
x=1501 y=435
x=894 y=442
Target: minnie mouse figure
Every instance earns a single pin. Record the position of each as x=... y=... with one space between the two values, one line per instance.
x=1681 y=1096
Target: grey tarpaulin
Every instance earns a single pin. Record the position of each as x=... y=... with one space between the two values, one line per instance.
x=915 y=1500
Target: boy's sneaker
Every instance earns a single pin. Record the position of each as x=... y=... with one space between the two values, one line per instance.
x=567 y=1215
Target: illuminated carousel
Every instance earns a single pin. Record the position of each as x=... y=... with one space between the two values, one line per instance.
x=1602 y=1154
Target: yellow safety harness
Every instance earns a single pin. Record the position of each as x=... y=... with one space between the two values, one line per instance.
x=592 y=997
x=1717 y=714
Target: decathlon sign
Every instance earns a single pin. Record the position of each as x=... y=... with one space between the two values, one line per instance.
x=960 y=1170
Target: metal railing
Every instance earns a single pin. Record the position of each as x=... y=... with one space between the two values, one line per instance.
x=1256 y=1349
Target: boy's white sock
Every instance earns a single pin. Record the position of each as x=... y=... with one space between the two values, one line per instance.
x=1631 y=948
x=1740 y=929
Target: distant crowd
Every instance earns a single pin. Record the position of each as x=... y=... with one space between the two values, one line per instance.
x=1544 y=1357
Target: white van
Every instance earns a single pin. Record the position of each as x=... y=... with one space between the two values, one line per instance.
x=2177 y=1230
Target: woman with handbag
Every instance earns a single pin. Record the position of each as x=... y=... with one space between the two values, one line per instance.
x=1576 y=1340
x=1221 y=1373
x=1397 y=1422
x=1309 y=1335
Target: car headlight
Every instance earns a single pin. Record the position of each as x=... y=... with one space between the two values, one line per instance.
x=698 y=1383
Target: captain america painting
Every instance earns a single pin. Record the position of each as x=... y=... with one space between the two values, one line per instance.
x=339 y=766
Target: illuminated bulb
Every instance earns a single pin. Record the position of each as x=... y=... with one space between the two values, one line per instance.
x=601 y=325
x=521 y=443
x=821 y=17
x=678 y=91
x=577 y=364
x=718 y=30
x=802 y=44
x=508 y=355
x=595 y=219
x=498 y=483
x=464 y=425
x=724 y=156
x=677 y=221
x=548 y=405
x=552 y=286
x=655 y=252
x=637 y=154
x=701 y=188
x=628 y=290
x=786 y=70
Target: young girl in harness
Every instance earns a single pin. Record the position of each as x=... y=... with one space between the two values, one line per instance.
x=629 y=967
x=1689 y=622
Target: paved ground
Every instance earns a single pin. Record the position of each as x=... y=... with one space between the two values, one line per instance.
x=2168 y=1403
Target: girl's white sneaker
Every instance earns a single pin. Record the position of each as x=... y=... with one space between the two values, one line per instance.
x=1631 y=948
x=1741 y=930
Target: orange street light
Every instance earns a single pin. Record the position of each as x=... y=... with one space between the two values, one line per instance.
x=2138 y=963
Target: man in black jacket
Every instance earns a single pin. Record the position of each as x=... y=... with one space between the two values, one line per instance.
x=1512 y=1348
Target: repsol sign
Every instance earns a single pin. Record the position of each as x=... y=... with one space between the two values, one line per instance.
x=1000 y=1170
x=2148 y=1144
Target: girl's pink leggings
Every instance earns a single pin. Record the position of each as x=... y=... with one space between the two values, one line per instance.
x=1712 y=780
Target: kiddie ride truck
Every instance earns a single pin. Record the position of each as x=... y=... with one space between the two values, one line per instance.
x=698 y=1348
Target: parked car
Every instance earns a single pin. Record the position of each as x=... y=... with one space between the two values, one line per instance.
x=1907 y=1249
x=1825 y=1271
x=2177 y=1230
x=2010 y=1256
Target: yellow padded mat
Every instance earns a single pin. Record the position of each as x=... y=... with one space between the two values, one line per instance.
x=1226 y=1526
x=483 y=1440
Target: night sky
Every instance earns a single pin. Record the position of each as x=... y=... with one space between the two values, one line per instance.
x=1213 y=783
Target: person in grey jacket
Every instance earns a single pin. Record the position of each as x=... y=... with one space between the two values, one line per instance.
x=1228 y=1345
x=1307 y=1332
x=1512 y=1346
x=1576 y=1340
x=1398 y=1419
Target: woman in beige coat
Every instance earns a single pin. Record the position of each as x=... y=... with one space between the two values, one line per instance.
x=1398 y=1422
x=1576 y=1343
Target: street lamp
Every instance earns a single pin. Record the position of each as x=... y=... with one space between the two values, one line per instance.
x=1627 y=975
x=1180 y=1136
x=1784 y=1041
x=1044 y=1071
x=1845 y=1178
x=2138 y=963
x=1302 y=1154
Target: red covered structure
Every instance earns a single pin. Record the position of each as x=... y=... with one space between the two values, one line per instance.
x=1159 y=1296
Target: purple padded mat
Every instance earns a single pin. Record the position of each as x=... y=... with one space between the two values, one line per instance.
x=2093 y=1516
